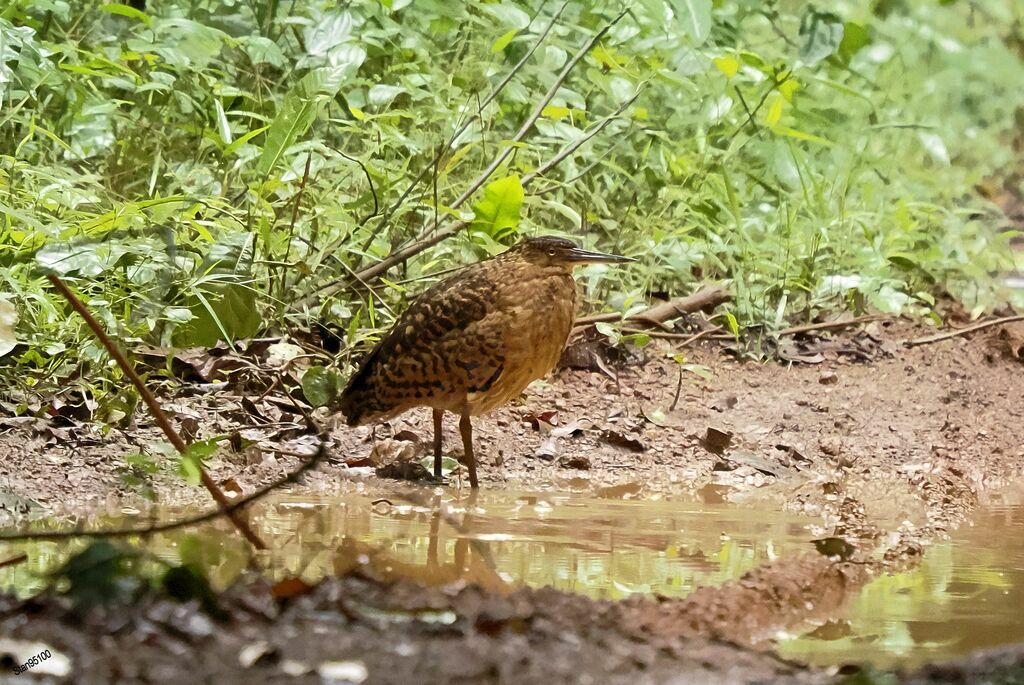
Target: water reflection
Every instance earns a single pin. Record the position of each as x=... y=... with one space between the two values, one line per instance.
x=605 y=546
x=967 y=594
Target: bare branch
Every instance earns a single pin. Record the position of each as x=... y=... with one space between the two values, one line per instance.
x=706 y=298
x=427 y=240
x=154 y=408
x=963 y=331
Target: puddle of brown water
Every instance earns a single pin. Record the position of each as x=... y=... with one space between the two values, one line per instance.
x=605 y=545
x=967 y=594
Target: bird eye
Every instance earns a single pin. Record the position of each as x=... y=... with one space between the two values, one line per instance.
x=551 y=253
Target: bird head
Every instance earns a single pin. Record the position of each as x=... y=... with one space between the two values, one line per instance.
x=553 y=251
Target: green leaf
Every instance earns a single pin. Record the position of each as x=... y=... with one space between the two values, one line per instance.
x=855 y=39
x=223 y=304
x=609 y=331
x=223 y=128
x=507 y=13
x=192 y=460
x=302 y=103
x=503 y=41
x=448 y=465
x=821 y=34
x=497 y=213
x=262 y=50
x=127 y=11
x=321 y=386
x=695 y=18
x=733 y=324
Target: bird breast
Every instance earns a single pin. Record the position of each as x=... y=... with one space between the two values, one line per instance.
x=539 y=309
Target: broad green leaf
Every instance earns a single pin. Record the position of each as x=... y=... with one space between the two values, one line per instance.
x=328 y=32
x=855 y=38
x=503 y=41
x=728 y=65
x=507 y=13
x=262 y=50
x=821 y=34
x=448 y=465
x=223 y=304
x=695 y=18
x=555 y=112
x=497 y=213
x=192 y=459
x=321 y=386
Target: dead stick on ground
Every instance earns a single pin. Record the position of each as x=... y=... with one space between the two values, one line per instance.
x=154 y=407
x=657 y=315
x=962 y=331
x=828 y=325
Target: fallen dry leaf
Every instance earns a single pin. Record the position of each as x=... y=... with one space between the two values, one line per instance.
x=617 y=439
x=290 y=588
x=716 y=441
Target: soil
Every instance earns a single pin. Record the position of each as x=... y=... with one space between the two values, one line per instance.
x=892 y=446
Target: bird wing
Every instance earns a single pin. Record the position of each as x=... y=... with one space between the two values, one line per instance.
x=448 y=343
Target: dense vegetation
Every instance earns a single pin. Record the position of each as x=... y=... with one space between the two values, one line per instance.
x=202 y=171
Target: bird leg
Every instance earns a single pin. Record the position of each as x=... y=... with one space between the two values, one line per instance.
x=466 y=428
x=438 y=418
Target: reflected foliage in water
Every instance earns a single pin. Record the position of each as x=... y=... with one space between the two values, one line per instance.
x=602 y=546
x=967 y=594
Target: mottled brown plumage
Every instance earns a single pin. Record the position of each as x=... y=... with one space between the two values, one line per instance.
x=474 y=341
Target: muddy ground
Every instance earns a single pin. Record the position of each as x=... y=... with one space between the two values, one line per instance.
x=892 y=446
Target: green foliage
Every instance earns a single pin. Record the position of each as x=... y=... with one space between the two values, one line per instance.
x=496 y=215
x=321 y=386
x=206 y=171
x=104 y=574
x=191 y=464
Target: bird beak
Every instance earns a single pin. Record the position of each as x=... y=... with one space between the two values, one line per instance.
x=581 y=256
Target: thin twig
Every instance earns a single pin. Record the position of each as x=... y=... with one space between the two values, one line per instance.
x=369 y=180
x=686 y=338
x=154 y=408
x=827 y=325
x=231 y=508
x=679 y=390
x=422 y=243
x=535 y=115
x=295 y=217
x=962 y=331
x=14 y=560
